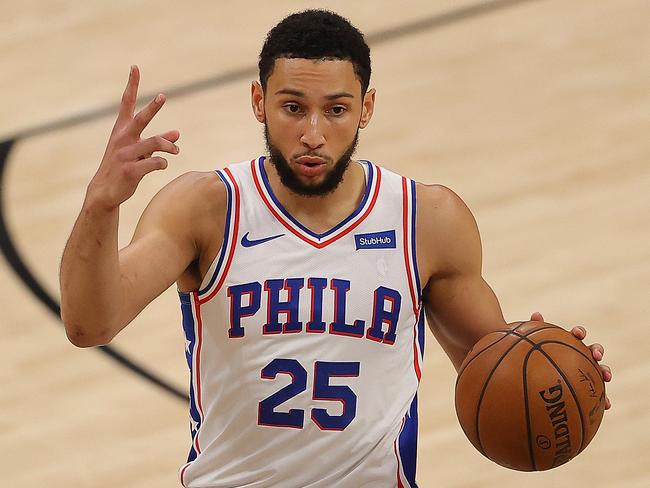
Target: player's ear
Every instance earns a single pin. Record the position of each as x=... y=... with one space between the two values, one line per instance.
x=367 y=108
x=257 y=101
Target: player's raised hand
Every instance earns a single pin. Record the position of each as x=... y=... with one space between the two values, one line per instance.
x=597 y=351
x=128 y=157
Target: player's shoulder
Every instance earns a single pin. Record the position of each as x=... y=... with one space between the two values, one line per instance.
x=198 y=181
x=196 y=189
x=439 y=201
x=443 y=217
x=447 y=234
x=189 y=203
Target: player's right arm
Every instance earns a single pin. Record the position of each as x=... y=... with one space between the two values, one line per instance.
x=102 y=288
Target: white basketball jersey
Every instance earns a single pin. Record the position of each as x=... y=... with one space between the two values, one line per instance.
x=305 y=349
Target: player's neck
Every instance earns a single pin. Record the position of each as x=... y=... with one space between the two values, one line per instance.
x=321 y=213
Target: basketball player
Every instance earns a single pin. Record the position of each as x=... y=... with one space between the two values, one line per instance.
x=304 y=276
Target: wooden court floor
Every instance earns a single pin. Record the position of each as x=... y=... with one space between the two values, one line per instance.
x=536 y=112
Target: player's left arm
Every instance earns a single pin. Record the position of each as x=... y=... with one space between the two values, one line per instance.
x=459 y=304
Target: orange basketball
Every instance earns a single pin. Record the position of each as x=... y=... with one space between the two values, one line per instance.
x=530 y=398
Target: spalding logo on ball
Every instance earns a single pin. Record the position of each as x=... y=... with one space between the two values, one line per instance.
x=530 y=398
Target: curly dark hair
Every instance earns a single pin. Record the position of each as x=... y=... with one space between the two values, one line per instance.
x=316 y=34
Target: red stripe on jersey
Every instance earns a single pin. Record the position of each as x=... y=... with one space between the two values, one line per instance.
x=406 y=245
x=399 y=478
x=233 y=240
x=183 y=474
x=407 y=260
x=416 y=354
x=318 y=245
x=199 y=343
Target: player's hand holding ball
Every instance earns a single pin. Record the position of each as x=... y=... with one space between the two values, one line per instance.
x=532 y=397
x=128 y=158
x=597 y=352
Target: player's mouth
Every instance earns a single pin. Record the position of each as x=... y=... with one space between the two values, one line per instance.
x=311 y=166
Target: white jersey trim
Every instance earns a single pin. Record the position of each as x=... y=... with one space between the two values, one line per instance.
x=218 y=270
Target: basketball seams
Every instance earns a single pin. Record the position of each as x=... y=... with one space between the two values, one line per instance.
x=590 y=360
x=484 y=388
x=507 y=332
x=573 y=393
x=575 y=399
x=518 y=325
x=538 y=347
x=482 y=351
x=534 y=331
x=527 y=409
x=552 y=341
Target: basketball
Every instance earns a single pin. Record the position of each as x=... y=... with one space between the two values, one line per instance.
x=531 y=397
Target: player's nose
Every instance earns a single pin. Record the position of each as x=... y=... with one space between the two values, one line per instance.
x=313 y=135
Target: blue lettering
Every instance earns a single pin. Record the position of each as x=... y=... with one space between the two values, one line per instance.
x=245 y=301
x=381 y=316
x=288 y=307
x=317 y=286
x=339 y=327
x=238 y=310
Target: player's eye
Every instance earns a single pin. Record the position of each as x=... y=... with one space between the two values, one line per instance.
x=293 y=108
x=337 y=110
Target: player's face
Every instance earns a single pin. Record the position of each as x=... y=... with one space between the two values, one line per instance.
x=312 y=111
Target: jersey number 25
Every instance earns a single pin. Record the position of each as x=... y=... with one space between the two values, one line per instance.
x=323 y=371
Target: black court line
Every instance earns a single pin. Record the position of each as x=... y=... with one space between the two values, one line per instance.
x=14 y=258
x=17 y=263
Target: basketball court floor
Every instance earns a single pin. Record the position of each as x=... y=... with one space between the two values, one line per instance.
x=536 y=112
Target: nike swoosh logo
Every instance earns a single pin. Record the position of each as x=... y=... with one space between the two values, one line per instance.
x=246 y=242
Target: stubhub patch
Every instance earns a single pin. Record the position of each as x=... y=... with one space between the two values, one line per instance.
x=376 y=240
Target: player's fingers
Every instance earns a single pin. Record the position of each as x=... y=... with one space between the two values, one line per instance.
x=597 y=351
x=144 y=148
x=171 y=135
x=606 y=372
x=144 y=116
x=579 y=331
x=140 y=168
x=129 y=97
x=608 y=404
x=537 y=317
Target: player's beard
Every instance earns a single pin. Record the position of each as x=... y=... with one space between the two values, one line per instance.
x=293 y=182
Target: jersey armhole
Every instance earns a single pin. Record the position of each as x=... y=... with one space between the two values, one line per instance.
x=410 y=240
x=218 y=269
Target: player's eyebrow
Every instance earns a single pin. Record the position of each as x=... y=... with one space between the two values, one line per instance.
x=298 y=93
